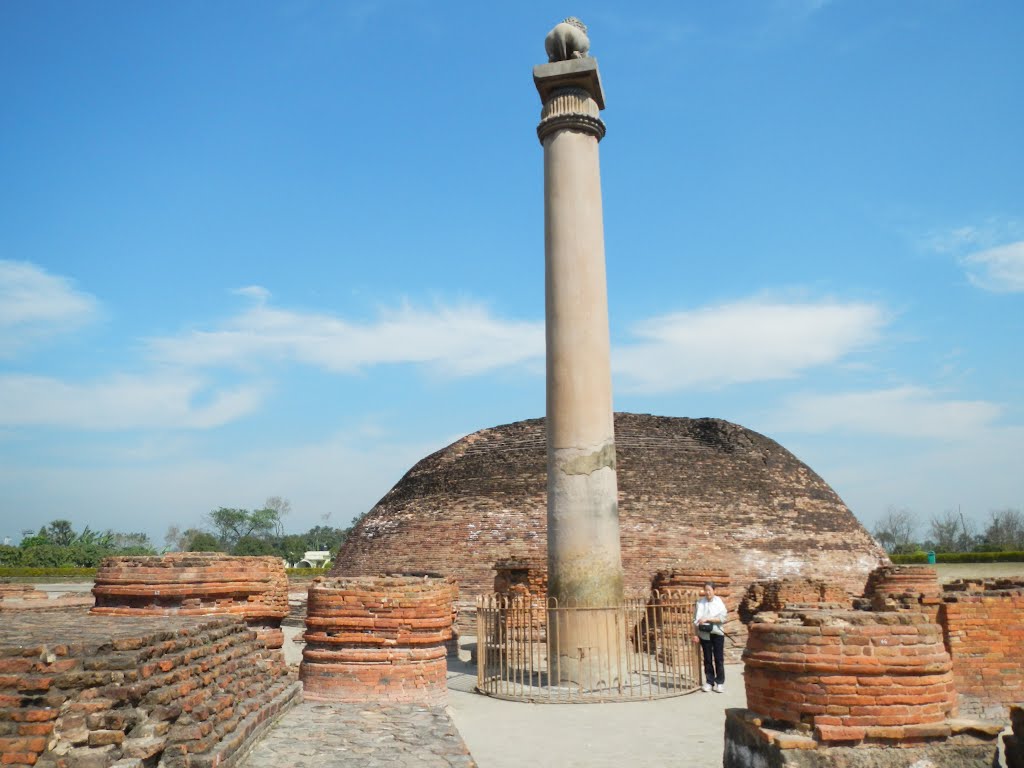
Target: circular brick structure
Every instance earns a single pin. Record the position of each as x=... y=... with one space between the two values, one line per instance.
x=691 y=492
x=378 y=639
x=895 y=580
x=197 y=584
x=903 y=587
x=851 y=674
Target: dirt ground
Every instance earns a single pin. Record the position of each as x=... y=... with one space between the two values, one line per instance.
x=952 y=571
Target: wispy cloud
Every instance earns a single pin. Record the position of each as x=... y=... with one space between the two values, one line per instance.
x=256 y=292
x=1000 y=269
x=743 y=342
x=35 y=305
x=122 y=402
x=458 y=341
x=980 y=235
x=991 y=252
x=910 y=412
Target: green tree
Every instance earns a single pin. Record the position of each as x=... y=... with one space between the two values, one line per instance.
x=232 y=525
x=250 y=545
x=60 y=532
x=36 y=540
x=292 y=547
x=46 y=556
x=9 y=555
x=201 y=541
x=322 y=537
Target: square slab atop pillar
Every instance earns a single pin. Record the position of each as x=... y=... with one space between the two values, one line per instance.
x=574 y=73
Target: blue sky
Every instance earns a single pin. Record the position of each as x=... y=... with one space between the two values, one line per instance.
x=252 y=249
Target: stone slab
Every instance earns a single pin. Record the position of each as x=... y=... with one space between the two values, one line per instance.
x=574 y=73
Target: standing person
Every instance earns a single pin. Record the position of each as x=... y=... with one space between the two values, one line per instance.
x=710 y=616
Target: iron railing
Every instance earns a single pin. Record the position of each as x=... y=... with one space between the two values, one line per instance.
x=534 y=649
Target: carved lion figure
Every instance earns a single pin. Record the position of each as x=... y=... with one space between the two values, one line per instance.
x=568 y=40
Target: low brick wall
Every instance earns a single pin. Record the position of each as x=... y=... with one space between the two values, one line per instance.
x=751 y=741
x=851 y=674
x=74 y=602
x=86 y=691
x=197 y=584
x=378 y=639
x=983 y=625
x=9 y=590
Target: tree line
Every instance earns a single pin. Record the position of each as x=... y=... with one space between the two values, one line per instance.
x=57 y=546
x=225 y=529
x=899 y=531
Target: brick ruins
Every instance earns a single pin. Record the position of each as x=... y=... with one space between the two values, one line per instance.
x=378 y=639
x=851 y=675
x=517 y=577
x=983 y=622
x=830 y=686
x=692 y=492
x=19 y=592
x=886 y=684
x=197 y=584
x=774 y=596
x=174 y=690
x=25 y=597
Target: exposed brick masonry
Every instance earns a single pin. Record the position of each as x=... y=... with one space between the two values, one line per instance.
x=774 y=596
x=524 y=582
x=692 y=493
x=378 y=639
x=197 y=584
x=983 y=624
x=85 y=691
x=10 y=591
x=851 y=674
x=521 y=577
x=902 y=587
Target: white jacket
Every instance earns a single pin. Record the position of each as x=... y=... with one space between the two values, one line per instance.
x=711 y=609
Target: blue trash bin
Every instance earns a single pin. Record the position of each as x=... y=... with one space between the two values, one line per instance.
x=931 y=558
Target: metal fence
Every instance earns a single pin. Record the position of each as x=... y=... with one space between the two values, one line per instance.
x=533 y=649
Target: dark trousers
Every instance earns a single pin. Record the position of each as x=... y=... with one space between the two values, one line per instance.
x=713 y=651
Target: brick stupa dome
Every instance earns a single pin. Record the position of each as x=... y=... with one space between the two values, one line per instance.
x=692 y=493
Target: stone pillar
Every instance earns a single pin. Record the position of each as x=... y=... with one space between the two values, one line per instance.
x=584 y=562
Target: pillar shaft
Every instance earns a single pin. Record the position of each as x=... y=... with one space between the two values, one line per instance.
x=584 y=562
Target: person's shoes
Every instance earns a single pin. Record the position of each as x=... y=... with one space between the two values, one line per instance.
x=706 y=687
x=718 y=687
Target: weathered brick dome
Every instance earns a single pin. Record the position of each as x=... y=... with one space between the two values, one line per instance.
x=692 y=493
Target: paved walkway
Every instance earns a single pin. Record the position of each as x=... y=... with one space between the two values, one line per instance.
x=681 y=731
x=481 y=731
x=315 y=735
